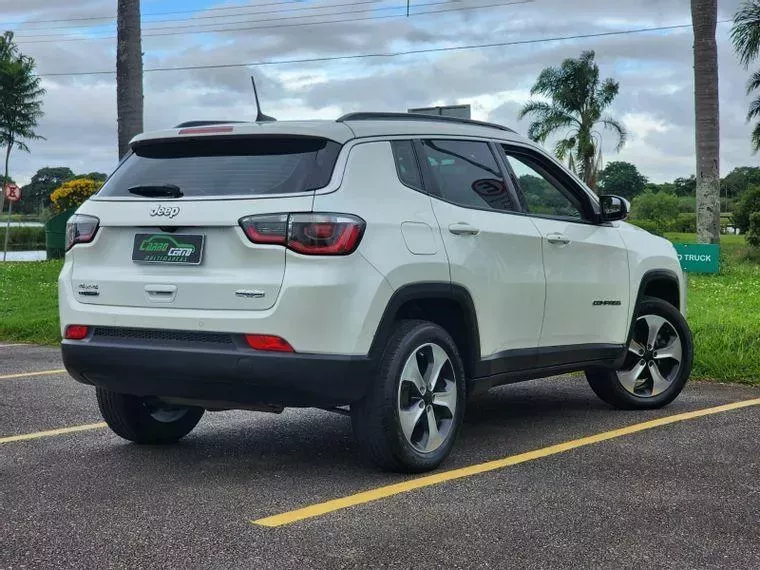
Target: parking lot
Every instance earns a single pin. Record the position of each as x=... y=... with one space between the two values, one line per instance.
x=682 y=494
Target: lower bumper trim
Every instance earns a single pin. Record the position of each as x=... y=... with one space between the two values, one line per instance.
x=233 y=374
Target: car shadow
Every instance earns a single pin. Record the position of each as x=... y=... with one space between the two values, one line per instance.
x=312 y=444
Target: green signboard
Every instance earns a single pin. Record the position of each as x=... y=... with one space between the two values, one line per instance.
x=698 y=257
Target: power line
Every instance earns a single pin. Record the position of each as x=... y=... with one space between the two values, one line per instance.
x=113 y=16
x=192 y=26
x=218 y=30
x=389 y=54
x=112 y=21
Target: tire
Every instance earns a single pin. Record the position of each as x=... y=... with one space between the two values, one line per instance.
x=651 y=376
x=406 y=445
x=134 y=419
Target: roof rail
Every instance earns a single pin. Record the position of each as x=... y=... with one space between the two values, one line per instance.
x=204 y=123
x=417 y=117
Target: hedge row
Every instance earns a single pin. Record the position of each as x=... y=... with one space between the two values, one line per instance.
x=685 y=223
x=24 y=238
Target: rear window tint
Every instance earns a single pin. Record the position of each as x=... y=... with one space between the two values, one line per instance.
x=406 y=164
x=228 y=167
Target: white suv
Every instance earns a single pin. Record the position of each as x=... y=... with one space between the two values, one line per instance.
x=390 y=264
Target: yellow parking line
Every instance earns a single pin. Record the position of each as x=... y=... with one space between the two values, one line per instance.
x=52 y=432
x=29 y=374
x=420 y=482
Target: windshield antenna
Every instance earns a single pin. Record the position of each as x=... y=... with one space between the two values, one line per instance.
x=260 y=117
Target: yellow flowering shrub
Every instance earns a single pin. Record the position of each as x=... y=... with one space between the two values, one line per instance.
x=73 y=193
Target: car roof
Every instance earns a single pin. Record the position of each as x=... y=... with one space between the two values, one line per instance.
x=347 y=127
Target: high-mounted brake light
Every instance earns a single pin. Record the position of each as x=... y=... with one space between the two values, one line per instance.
x=268 y=342
x=205 y=130
x=76 y=332
x=307 y=234
x=80 y=229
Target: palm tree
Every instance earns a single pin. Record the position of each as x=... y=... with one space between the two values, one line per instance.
x=129 y=73
x=20 y=100
x=577 y=100
x=704 y=16
x=745 y=35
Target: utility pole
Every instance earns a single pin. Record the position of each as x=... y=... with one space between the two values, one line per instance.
x=704 y=15
x=129 y=72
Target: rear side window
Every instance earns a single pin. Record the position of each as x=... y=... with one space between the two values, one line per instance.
x=236 y=166
x=406 y=164
x=467 y=174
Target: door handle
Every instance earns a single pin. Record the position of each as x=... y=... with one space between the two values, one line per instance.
x=161 y=293
x=463 y=229
x=558 y=239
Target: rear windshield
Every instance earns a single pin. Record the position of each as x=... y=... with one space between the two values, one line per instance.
x=228 y=167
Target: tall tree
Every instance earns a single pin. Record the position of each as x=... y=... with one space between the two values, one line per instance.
x=704 y=16
x=577 y=101
x=739 y=179
x=20 y=100
x=622 y=179
x=129 y=72
x=685 y=186
x=37 y=192
x=745 y=35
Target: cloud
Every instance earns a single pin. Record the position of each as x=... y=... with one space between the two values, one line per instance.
x=654 y=71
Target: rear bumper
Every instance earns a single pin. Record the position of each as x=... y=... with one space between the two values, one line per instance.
x=229 y=375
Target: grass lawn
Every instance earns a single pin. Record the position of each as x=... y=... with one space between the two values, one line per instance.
x=29 y=301
x=724 y=314
x=723 y=310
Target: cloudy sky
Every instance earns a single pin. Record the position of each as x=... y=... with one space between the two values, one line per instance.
x=69 y=39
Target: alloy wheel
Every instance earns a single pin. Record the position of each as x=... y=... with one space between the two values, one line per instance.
x=654 y=357
x=165 y=413
x=427 y=398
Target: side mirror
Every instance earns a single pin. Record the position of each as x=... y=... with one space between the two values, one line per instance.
x=614 y=208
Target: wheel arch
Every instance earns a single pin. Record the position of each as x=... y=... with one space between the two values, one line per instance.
x=659 y=283
x=449 y=306
x=662 y=284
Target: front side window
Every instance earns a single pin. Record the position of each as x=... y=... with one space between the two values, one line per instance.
x=543 y=195
x=467 y=174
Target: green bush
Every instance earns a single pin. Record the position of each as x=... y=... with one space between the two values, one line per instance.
x=685 y=223
x=25 y=238
x=687 y=204
x=659 y=207
x=651 y=226
x=749 y=203
x=753 y=232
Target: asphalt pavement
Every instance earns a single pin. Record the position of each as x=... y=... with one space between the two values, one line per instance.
x=681 y=495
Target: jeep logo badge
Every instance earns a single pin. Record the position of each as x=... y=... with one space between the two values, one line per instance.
x=167 y=211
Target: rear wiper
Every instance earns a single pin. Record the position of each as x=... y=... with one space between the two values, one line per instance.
x=157 y=190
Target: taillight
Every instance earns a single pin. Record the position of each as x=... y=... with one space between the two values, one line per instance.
x=324 y=234
x=308 y=234
x=76 y=332
x=80 y=229
x=266 y=229
x=268 y=342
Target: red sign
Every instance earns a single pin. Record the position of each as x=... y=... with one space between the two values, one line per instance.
x=12 y=192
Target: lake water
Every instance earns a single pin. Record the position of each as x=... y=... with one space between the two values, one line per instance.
x=24 y=256
x=22 y=224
